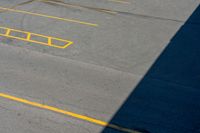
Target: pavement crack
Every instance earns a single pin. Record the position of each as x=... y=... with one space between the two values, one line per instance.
x=104 y=10
x=114 y=12
x=19 y=4
x=78 y=6
x=148 y=16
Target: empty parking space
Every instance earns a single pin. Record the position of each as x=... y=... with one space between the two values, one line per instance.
x=46 y=16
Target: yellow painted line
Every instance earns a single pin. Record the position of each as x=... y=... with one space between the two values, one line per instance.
x=48 y=16
x=7 y=32
x=120 y=1
x=28 y=38
x=49 y=41
x=68 y=113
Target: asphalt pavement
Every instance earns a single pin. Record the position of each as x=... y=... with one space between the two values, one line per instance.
x=113 y=45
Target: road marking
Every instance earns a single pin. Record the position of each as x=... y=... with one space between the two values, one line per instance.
x=29 y=38
x=120 y=1
x=48 y=16
x=68 y=113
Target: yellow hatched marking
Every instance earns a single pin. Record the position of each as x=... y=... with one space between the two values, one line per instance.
x=68 y=113
x=28 y=38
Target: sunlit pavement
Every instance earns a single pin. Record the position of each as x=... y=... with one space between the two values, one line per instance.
x=112 y=45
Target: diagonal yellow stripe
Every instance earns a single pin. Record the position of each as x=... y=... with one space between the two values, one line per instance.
x=74 y=115
x=48 y=16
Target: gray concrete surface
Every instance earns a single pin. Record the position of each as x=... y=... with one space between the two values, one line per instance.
x=93 y=76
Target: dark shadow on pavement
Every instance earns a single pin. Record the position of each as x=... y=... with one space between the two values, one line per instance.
x=167 y=99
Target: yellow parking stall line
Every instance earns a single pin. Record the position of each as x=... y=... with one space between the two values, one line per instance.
x=8 y=32
x=21 y=31
x=49 y=16
x=49 y=41
x=68 y=113
x=40 y=35
x=59 y=39
x=28 y=38
x=62 y=47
